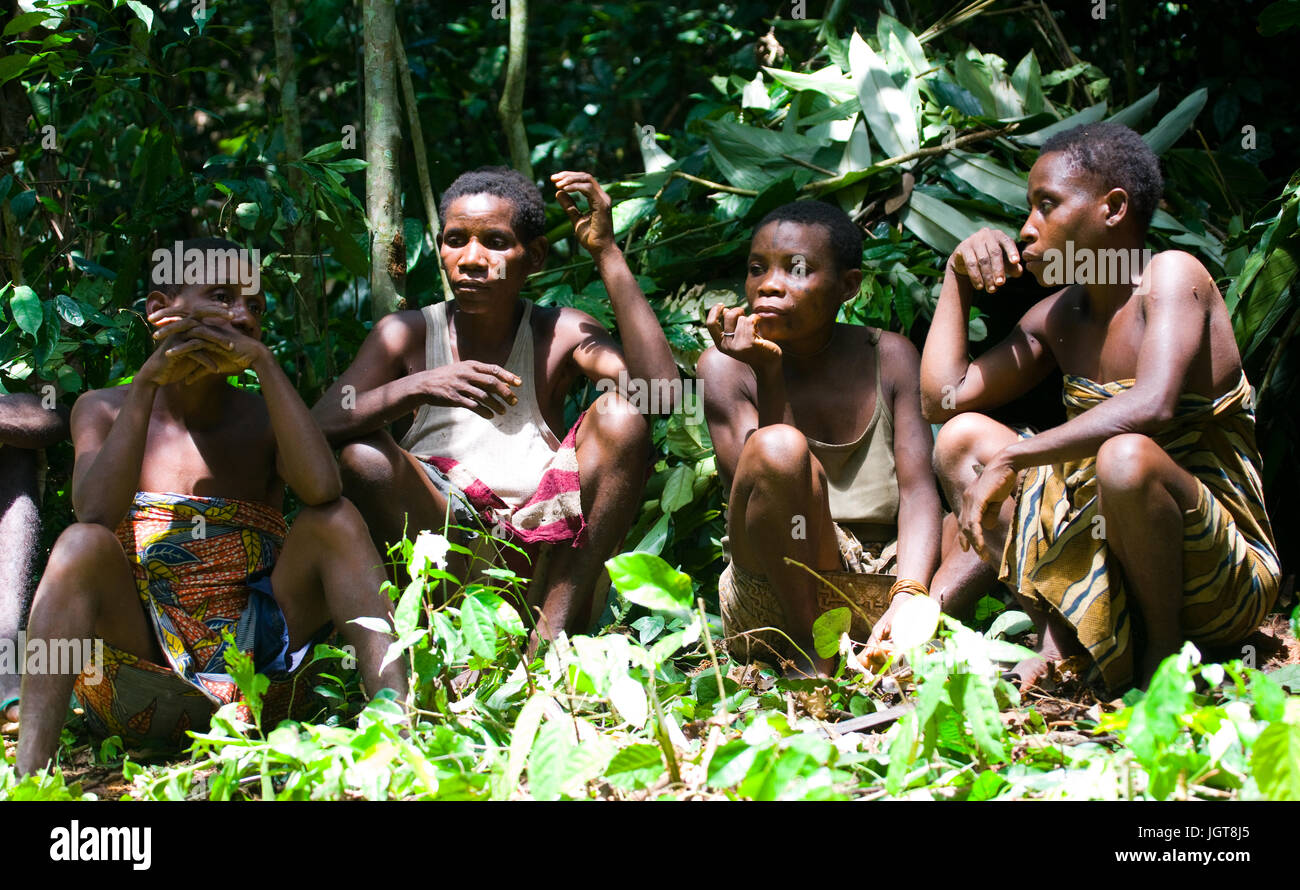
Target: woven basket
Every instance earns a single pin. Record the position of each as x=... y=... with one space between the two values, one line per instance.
x=870 y=593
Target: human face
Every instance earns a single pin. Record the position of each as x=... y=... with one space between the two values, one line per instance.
x=1065 y=204
x=486 y=262
x=246 y=306
x=792 y=284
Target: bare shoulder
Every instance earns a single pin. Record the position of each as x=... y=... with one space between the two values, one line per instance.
x=99 y=404
x=1176 y=275
x=398 y=330
x=565 y=329
x=897 y=348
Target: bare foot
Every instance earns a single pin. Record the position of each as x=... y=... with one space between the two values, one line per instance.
x=1031 y=672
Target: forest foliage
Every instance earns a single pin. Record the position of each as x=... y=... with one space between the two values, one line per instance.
x=128 y=125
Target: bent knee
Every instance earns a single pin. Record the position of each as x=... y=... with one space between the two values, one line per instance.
x=1126 y=463
x=338 y=519
x=779 y=449
x=615 y=419
x=85 y=549
x=365 y=461
x=965 y=436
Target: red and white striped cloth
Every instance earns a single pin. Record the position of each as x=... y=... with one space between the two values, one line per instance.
x=552 y=514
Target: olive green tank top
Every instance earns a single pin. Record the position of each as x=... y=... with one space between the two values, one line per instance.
x=861 y=475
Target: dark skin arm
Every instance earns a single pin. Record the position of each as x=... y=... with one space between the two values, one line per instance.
x=745 y=401
x=25 y=423
x=1177 y=312
x=109 y=430
x=919 y=515
x=645 y=353
x=950 y=382
x=384 y=389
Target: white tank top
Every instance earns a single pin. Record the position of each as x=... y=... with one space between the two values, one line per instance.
x=507 y=453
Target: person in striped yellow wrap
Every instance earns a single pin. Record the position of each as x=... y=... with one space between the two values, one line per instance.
x=1138 y=523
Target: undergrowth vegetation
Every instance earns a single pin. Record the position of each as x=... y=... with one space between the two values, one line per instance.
x=655 y=709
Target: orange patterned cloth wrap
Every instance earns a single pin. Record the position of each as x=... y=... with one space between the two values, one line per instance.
x=202 y=565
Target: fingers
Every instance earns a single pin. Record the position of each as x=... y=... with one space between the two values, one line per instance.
x=570 y=208
x=212 y=335
x=499 y=372
x=1014 y=268
x=713 y=324
x=583 y=183
x=169 y=314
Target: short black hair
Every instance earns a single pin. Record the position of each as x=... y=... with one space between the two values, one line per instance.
x=208 y=242
x=846 y=238
x=529 y=220
x=1120 y=157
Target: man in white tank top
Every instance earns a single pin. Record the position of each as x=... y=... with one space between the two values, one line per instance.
x=481 y=380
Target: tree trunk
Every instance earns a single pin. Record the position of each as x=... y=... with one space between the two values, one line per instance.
x=421 y=162
x=383 y=141
x=511 y=106
x=307 y=298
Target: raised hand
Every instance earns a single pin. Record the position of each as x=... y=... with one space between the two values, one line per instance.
x=595 y=228
x=205 y=330
x=987 y=259
x=736 y=334
x=478 y=386
x=181 y=357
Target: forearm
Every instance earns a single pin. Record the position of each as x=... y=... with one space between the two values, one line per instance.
x=773 y=402
x=102 y=492
x=945 y=359
x=306 y=462
x=644 y=343
x=1083 y=435
x=920 y=529
x=25 y=423
x=344 y=417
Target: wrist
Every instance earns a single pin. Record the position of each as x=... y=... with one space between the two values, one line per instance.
x=263 y=360
x=607 y=255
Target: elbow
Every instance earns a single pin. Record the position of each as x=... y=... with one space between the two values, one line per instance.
x=933 y=409
x=321 y=491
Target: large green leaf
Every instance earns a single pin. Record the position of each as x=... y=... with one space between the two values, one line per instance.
x=940 y=225
x=26 y=308
x=890 y=116
x=894 y=38
x=1276 y=762
x=1176 y=122
x=636 y=766
x=827 y=629
x=829 y=81
x=1089 y=115
x=1132 y=115
x=647 y=580
x=751 y=157
x=1028 y=83
x=973 y=694
x=479 y=628
x=989 y=177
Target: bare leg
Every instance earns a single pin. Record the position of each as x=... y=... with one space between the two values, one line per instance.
x=613 y=445
x=328 y=571
x=1142 y=494
x=87 y=591
x=964 y=445
x=780 y=508
x=393 y=494
x=20 y=534
x=960 y=580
